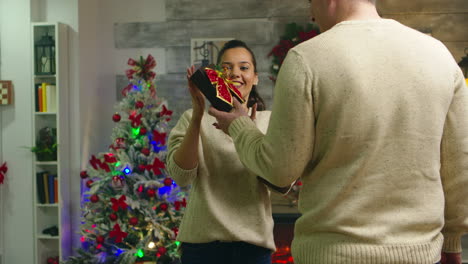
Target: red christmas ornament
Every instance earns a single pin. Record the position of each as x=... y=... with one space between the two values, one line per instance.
x=176 y=230
x=94 y=198
x=88 y=183
x=140 y=188
x=141 y=167
x=133 y=221
x=100 y=239
x=143 y=131
x=83 y=174
x=113 y=217
x=116 y=117
x=145 y=151
x=151 y=192
x=168 y=181
x=163 y=207
x=139 y=104
x=162 y=250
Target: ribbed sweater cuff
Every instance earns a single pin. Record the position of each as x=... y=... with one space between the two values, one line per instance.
x=452 y=243
x=239 y=124
x=181 y=173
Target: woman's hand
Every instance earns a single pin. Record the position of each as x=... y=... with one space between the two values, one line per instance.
x=198 y=99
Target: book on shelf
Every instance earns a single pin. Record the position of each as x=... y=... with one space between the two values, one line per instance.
x=51 y=98
x=44 y=97
x=45 y=180
x=51 y=188
x=40 y=187
x=47 y=187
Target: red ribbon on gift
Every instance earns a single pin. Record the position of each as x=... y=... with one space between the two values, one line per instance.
x=3 y=171
x=224 y=87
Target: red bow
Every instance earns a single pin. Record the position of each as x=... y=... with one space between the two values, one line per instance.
x=224 y=87
x=109 y=158
x=155 y=167
x=159 y=137
x=178 y=204
x=97 y=163
x=136 y=119
x=127 y=89
x=3 y=171
x=142 y=68
x=116 y=203
x=118 y=234
x=167 y=112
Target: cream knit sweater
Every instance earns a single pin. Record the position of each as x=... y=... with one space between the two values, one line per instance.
x=373 y=116
x=226 y=202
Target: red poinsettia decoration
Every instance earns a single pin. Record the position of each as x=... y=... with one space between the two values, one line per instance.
x=294 y=35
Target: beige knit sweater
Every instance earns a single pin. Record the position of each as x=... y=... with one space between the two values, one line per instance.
x=226 y=202
x=373 y=116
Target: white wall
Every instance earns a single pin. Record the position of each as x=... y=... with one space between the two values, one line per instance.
x=16 y=124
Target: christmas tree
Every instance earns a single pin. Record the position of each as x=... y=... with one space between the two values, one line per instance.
x=132 y=208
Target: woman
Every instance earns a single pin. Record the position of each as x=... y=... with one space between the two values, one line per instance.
x=228 y=216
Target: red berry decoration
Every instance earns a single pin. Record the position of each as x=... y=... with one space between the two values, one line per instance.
x=151 y=192
x=88 y=183
x=139 y=104
x=133 y=221
x=143 y=131
x=113 y=217
x=162 y=250
x=163 y=207
x=83 y=174
x=176 y=230
x=168 y=181
x=116 y=117
x=100 y=239
x=141 y=167
x=94 y=198
x=145 y=151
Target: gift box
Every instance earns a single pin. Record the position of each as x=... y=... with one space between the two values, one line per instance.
x=218 y=89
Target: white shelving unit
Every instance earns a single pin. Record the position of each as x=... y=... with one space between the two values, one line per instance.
x=56 y=214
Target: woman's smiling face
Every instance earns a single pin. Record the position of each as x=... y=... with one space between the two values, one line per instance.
x=239 y=67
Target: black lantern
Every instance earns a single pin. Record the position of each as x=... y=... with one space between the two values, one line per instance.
x=464 y=64
x=44 y=50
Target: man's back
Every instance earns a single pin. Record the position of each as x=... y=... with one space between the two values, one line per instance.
x=381 y=93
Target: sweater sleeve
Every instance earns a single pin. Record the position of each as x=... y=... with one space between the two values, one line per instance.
x=454 y=167
x=283 y=153
x=181 y=176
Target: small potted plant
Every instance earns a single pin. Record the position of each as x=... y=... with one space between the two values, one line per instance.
x=46 y=144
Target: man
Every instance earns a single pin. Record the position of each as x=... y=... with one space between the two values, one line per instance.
x=373 y=116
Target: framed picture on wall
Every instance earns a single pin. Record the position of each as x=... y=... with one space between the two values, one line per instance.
x=204 y=51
